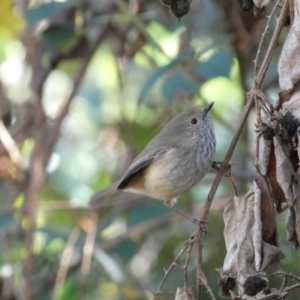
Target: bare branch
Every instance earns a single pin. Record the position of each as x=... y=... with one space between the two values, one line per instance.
x=65 y=262
x=247 y=109
x=185 y=266
x=259 y=49
x=44 y=141
x=273 y=43
x=10 y=145
x=53 y=135
x=205 y=283
x=186 y=246
x=89 y=244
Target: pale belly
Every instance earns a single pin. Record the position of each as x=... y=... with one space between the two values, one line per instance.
x=171 y=177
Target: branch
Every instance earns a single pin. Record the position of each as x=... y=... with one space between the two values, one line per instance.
x=263 y=36
x=44 y=141
x=10 y=145
x=186 y=246
x=273 y=43
x=185 y=266
x=247 y=109
x=89 y=244
x=54 y=133
x=138 y=229
x=65 y=262
x=205 y=283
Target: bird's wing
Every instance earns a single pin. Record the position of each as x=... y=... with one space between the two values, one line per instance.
x=139 y=165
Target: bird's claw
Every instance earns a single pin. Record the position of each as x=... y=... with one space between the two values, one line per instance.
x=220 y=166
x=201 y=224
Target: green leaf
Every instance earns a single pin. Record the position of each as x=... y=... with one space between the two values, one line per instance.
x=70 y=289
x=146 y=212
x=47 y=10
x=176 y=83
x=6 y=220
x=57 y=36
x=219 y=64
x=189 y=53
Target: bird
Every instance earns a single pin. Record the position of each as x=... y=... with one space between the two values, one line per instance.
x=176 y=159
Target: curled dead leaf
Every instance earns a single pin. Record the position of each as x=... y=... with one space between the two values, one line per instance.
x=261 y=3
x=278 y=195
x=246 y=226
x=289 y=61
x=284 y=171
x=10 y=171
x=184 y=293
x=293 y=104
x=266 y=153
x=293 y=217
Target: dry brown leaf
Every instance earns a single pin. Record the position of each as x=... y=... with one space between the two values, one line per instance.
x=284 y=96
x=266 y=152
x=289 y=61
x=292 y=236
x=247 y=252
x=293 y=104
x=261 y=3
x=184 y=293
x=284 y=172
x=10 y=171
x=277 y=191
x=293 y=217
x=226 y=284
x=269 y=234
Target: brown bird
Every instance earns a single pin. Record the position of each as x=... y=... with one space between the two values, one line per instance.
x=172 y=162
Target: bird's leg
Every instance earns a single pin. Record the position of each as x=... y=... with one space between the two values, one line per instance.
x=220 y=166
x=199 y=223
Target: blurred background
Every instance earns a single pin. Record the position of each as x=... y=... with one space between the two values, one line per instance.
x=146 y=67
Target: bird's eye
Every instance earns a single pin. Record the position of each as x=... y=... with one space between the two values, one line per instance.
x=194 y=121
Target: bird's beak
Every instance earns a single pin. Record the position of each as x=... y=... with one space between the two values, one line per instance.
x=208 y=108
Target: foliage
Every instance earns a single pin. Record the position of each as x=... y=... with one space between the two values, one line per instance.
x=142 y=67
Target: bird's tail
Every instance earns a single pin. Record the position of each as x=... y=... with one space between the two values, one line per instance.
x=98 y=197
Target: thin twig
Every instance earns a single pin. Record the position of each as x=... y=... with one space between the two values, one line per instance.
x=205 y=283
x=263 y=37
x=284 y=274
x=232 y=183
x=167 y=272
x=53 y=135
x=10 y=145
x=140 y=26
x=65 y=262
x=185 y=266
x=283 y=284
x=35 y=179
x=285 y=291
x=89 y=244
x=247 y=109
x=273 y=43
x=137 y=230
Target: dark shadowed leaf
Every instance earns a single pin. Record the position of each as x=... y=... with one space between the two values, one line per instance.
x=70 y=290
x=6 y=220
x=147 y=211
x=219 y=64
x=189 y=53
x=176 y=83
x=58 y=36
x=47 y=10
